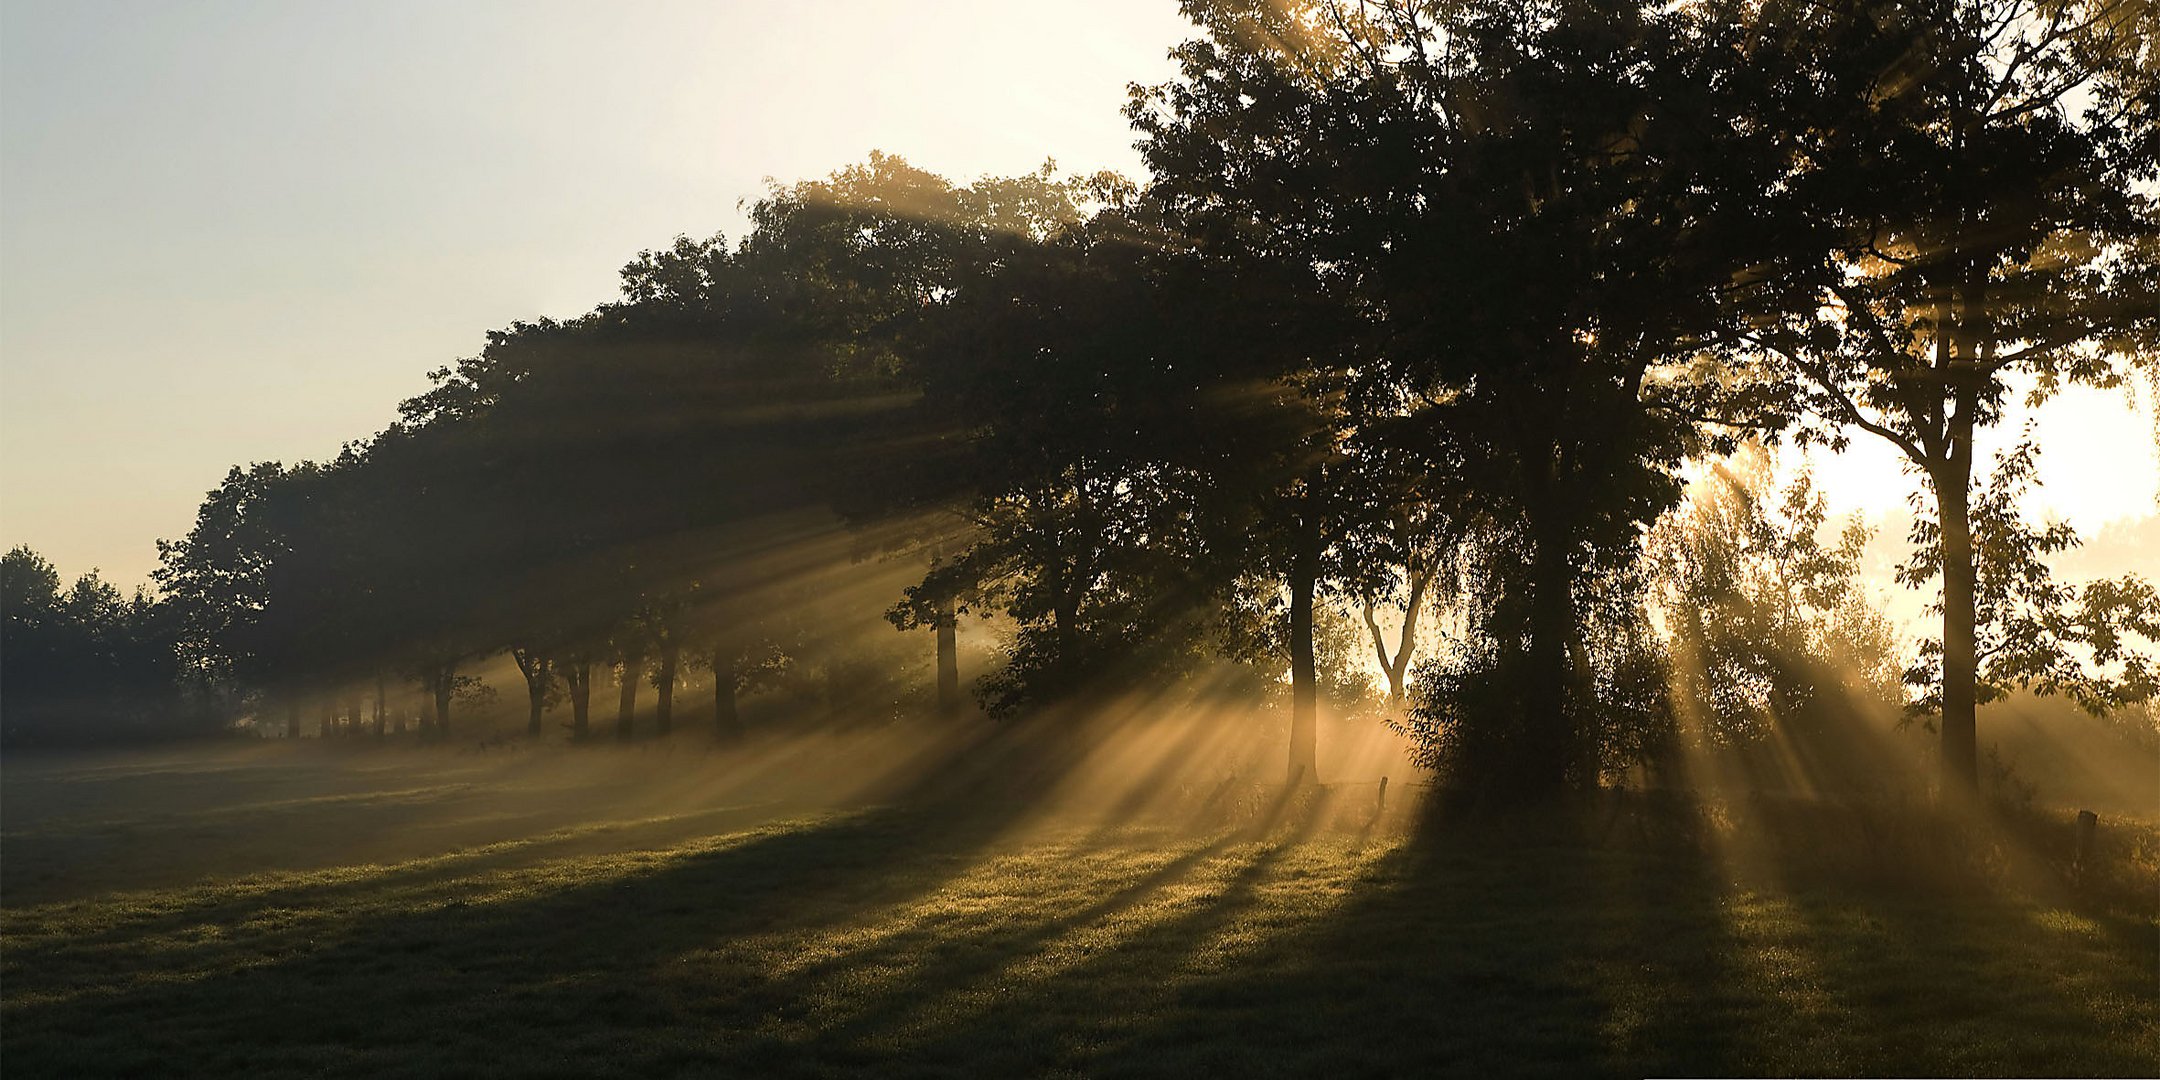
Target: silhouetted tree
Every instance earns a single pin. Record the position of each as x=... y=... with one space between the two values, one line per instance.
x=1968 y=177
x=86 y=663
x=1529 y=217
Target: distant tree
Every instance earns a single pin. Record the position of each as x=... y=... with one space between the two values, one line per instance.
x=541 y=685
x=88 y=663
x=29 y=586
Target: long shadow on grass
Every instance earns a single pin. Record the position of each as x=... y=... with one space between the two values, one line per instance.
x=1469 y=950
x=954 y=1010
x=307 y=897
x=1974 y=974
x=549 y=970
x=159 y=831
x=1478 y=947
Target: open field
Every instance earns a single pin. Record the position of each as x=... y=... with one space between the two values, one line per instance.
x=334 y=911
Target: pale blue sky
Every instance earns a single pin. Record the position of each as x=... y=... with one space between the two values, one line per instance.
x=238 y=231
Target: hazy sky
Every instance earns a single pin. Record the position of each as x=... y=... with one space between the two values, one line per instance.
x=243 y=231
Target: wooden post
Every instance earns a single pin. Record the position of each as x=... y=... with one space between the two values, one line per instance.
x=1380 y=804
x=2087 y=824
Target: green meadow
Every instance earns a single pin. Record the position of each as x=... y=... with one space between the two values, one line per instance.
x=280 y=912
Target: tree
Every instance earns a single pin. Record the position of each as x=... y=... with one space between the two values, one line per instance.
x=1771 y=639
x=87 y=663
x=1969 y=174
x=891 y=266
x=2030 y=631
x=540 y=684
x=241 y=595
x=1533 y=223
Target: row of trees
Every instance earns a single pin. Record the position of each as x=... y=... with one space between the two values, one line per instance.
x=85 y=661
x=1422 y=306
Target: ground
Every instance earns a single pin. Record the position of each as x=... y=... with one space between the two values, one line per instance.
x=347 y=912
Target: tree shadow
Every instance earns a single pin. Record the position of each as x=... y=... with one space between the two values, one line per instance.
x=2041 y=981
x=922 y=938
x=1472 y=947
x=569 y=948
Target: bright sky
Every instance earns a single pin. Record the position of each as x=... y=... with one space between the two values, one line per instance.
x=2098 y=465
x=237 y=231
x=2099 y=469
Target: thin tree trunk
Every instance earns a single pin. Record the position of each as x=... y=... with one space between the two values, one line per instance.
x=1064 y=617
x=664 y=685
x=292 y=717
x=948 y=658
x=727 y=723
x=382 y=705
x=535 y=669
x=1406 y=647
x=535 y=701
x=626 y=704
x=1304 y=688
x=445 y=680
x=577 y=675
x=1397 y=667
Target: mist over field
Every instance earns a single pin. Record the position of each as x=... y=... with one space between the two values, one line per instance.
x=1560 y=539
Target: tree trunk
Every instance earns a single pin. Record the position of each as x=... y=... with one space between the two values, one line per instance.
x=535 y=669
x=626 y=705
x=292 y=718
x=382 y=705
x=445 y=681
x=1550 y=742
x=1379 y=645
x=1972 y=342
x=577 y=675
x=948 y=658
x=664 y=685
x=727 y=724
x=1304 y=689
x=1406 y=645
x=534 y=703
x=1397 y=667
x=1960 y=671
x=1064 y=618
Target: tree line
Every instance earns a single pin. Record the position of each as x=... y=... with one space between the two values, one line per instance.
x=1421 y=308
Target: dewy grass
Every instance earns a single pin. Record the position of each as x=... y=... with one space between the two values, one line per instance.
x=918 y=940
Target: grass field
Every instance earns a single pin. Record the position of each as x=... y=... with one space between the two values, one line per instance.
x=282 y=911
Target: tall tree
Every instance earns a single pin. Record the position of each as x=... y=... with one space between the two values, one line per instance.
x=1974 y=175
x=1526 y=212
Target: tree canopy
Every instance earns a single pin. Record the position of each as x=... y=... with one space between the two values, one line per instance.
x=1422 y=315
